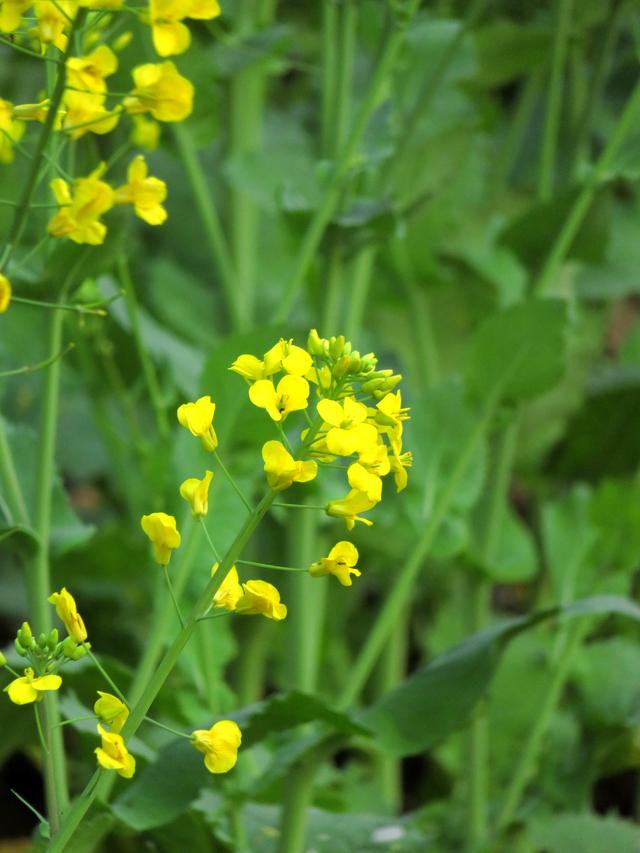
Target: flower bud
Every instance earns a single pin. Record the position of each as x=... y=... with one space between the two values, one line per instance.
x=342 y=367
x=25 y=636
x=336 y=347
x=315 y=344
x=52 y=639
x=372 y=385
x=20 y=648
x=391 y=382
x=3 y=659
x=42 y=641
x=79 y=651
x=68 y=647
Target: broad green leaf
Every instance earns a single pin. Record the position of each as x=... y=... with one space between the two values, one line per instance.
x=514 y=558
x=588 y=833
x=518 y=352
x=610 y=693
x=568 y=556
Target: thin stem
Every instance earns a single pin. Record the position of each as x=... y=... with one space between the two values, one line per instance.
x=554 y=102
x=31 y=808
x=148 y=367
x=270 y=566
x=173 y=596
x=75 y=720
x=105 y=674
x=582 y=203
x=10 y=481
x=57 y=306
x=207 y=535
x=359 y=293
x=39 y=727
x=232 y=481
x=32 y=368
x=302 y=506
x=166 y=728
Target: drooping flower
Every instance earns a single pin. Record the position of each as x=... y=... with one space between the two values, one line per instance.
x=291 y=395
x=145 y=193
x=349 y=507
x=163 y=533
x=282 y=469
x=67 y=612
x=114 y=755
x=161 y=90
x=219 y=744
x=348 y=431
x=198 y=419
x=29 y=687
x=341 y=562
x=10 y=131
x=260 y=597
x=230 y=590
x=196 y=493
x=5 y=293
x=111 y=711
x=82 y=206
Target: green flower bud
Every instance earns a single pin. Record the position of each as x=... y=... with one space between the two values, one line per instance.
x=20 y=648
x=79 y=651
x=42 y=641
x=52 y=639
x=315 y=344
x=372 y=385
x=342 y=367
x=391 y=383
x=25 y=636
x=336 y=347
x=3 y=659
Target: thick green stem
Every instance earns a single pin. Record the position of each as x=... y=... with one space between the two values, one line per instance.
x=10 y=482
x=582 y=203
x=420 y=318
x=100 y=780
x=554 y=101
x=309 y=603
x=297 y=799
x=359 y=293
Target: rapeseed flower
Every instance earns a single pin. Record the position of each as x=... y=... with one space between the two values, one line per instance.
x=11 y=12
x=365 y=481
x=53 y=20
x=348 y=432
x=340 y=562
x=291 y=395
x=145 y=193
x=5 y=293
x=68 y=614
x=196 y=493
x=282 y=469
x=11 y=131
x=349 y=507
x=198 y=419
x=219 y=744
x=230 y=590
x=111 y=711
x=161 y=90
x=29 y=687
x=82 y=205
x=260 y=597
x=163 y=533
x=114 y=755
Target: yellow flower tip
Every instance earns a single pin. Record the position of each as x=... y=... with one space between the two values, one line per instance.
x=348 y=508
x=341 y=562
x=163 y=533
x=114 y=755
x=160 y=90
x=365 y=481
x=5 y=293
x=260 y=597
x=282 y=469
x=198 y=419
x=219 y=745
x=67 y=612
x=145 y=193
x=29 y=688
x=111 y=711
x=196 y=493
x=230 y=590
x=291 y=395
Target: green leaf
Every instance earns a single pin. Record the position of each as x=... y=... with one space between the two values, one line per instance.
x=507 y=50
x=520 y=350
x=439 y=698
x=588 y=833
x=610 y=694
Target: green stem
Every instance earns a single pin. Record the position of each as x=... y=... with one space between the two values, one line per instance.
x=103 y=672
x=301 y=506
x=420 y=318
x=10 y=481
x=270 y=566
x=148 y=367
x=214 y=550
x=582 y=203
x=39 y=728
x=327 y=206
x=519 y=126
x=210 y=222
x=232 y=481
x=56 y=306
x=329 y=76
x=554 y=101
x=359 y=293
x=160 y=674
x=166 y=728
x=173 y=596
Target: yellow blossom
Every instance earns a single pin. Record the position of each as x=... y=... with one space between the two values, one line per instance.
x=375 y=458
x=160 y=90
x=348 y=431
x=365 y=481
x=67 y=612
x=290 y=396
x=54 y=19
x=170 y=35
x=198 y=419
x=11 y=12
x=341 y=562
x=111 y=711
x=145 y=133
x=5 y=293
x=260 y=597
x=390 y=411
x=219 y=744
x=399 y=463
x=89 y=116
x=196 y=493
x=86 y=75
x=114 y=755
x=10 y=131
x=113 y=5
x=284 y=355
x=163 y=533
x=282 y=469
x=82 y=206
x=204 y=10
x=29 y=687
x=230 y=590
x=349 y=507
x=146 y=194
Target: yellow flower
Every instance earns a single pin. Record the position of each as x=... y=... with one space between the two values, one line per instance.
x=230 y=590
x=390 y=410
x=399 y=464
x=341 y=562
x=348 y=431
x=11 y=12
x=349 y=507
x=284 y=355
x=10 y=131
x=163 y=533
x=88 y=116
x=146 y=194
x=219 y=744
x=198 y=419
x=53 y=20
x=376 y=459
x=196 y=493
x=30 y=688
x=365 y=481
x=111 y=711
x=79 y=217
x=145 y=133
x=114 y=755
x=5 y=293
x=282 y=469
x=160 y=90
x=67 y=612
x=291 y=395
x=86 y=76
x=260 y=597
x=204 y=10
x=170 y=36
